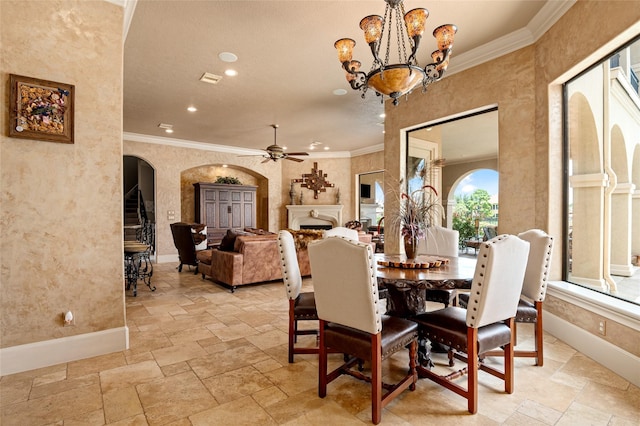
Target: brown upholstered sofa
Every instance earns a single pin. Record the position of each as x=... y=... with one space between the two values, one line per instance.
x=253 y=259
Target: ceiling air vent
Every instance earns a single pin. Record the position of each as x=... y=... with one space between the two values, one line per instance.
x=207 y=77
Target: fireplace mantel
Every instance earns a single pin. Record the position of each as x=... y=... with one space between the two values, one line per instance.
x=314 y=214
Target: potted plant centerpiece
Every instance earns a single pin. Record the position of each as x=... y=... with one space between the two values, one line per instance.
x=418 y=211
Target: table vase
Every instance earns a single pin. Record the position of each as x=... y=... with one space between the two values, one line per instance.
x=410 y=246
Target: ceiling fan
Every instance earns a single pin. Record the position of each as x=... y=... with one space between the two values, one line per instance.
x=275 y=152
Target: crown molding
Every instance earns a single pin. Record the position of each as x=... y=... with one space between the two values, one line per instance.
x=226 y=149
x=368 y=150
x=182 y=143
x=550 y=13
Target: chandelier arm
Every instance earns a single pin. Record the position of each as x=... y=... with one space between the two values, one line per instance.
x=433 y=71
x=360 y=76
x=414 y=50
x=375 y=47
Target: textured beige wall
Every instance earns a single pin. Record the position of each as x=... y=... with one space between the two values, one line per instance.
x=61 y=204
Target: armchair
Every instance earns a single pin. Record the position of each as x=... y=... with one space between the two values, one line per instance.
x=188 y=239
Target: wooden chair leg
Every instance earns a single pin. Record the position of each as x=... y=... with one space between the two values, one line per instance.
x=539 y=335
x=292 y=330
x=376 y=378
x=472 y=370
x=508 y=359
x=322 y=363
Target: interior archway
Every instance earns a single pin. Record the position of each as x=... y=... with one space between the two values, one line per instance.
x=210 y=173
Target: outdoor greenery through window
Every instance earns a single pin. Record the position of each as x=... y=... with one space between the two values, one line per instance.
x=602 y=162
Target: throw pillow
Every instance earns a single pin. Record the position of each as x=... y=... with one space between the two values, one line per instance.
x=199 y=236
x=228 y=241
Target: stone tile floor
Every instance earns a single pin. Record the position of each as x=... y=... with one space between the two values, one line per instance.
x=200 y=355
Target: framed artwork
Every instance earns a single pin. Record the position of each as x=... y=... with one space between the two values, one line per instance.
x=41 y=109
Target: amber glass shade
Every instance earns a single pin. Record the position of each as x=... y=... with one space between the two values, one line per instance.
x=345 y=49
x=396 y=80
x=372 y=27
x=444 y=35
x=416 y=20
x=355 y=67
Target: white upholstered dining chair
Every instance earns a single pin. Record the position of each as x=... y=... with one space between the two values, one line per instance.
x=302 y=306
x=351 y=322
x=487 y=323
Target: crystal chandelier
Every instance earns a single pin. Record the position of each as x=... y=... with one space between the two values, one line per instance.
x=395 y=80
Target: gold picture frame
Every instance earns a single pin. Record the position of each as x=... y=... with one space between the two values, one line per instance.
x=41 y=109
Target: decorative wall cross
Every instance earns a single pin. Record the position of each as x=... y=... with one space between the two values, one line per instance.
x=315 y=181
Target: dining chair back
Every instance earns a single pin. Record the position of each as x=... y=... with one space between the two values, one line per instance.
x=444 y=242
x=341 y=231
x=302 y=306
x=487 y=323
x=440 y=241
x=349 y=311
x=534 y=290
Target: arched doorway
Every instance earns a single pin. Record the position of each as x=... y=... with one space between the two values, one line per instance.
x=139 y=182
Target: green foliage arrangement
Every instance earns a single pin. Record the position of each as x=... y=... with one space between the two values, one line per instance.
x=228 y=179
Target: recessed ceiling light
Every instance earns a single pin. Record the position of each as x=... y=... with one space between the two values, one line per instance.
x=225 y=166
x=383 y=115
x=429 y=129
x=227 y=57
x=231 y=73
x=169 y=130
x=284 y=148
x=326 y=148
x=311 y=147
x=192 y=109
x=340 y=92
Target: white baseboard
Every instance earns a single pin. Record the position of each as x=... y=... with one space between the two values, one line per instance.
x=611 y=356
x=16 y=359
x=167 y=258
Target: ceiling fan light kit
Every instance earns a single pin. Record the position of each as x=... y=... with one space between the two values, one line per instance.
x=395 y=80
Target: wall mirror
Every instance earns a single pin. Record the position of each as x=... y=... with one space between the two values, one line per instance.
x=467 y=143
x=371 y=199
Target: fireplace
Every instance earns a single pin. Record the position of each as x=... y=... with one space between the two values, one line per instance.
x=316 y=227
x=314 y=216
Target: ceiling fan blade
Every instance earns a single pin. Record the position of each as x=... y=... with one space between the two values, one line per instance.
x=266 y=160
x=297 y=153
x=251 y=155
x=294 y=159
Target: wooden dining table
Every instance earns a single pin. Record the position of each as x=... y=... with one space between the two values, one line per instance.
x=406 y=287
